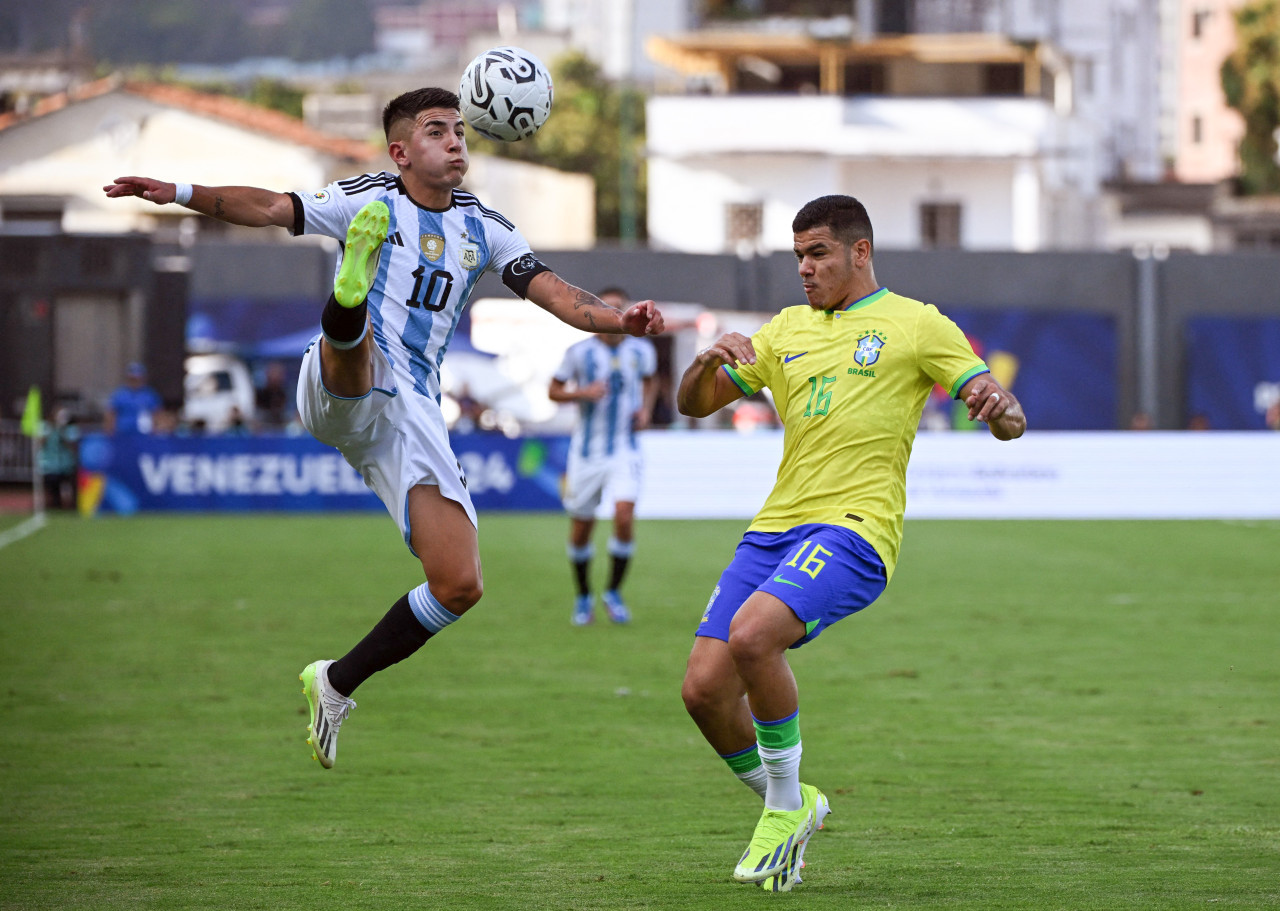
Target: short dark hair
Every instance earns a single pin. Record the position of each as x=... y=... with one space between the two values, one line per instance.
x=845 y=216
x=614 y=289
x=409 y=105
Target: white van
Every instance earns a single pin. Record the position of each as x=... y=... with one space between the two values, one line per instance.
x=214 y=385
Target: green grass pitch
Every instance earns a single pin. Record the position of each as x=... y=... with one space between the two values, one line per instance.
x=1037 y=715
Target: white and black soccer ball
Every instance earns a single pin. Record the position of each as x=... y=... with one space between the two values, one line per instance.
x=505 y=94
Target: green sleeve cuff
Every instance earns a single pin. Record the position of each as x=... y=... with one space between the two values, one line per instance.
x=965 y=377
x=739 y=381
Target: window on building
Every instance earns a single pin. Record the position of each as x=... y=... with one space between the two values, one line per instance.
x=750 y=9
x=1200 y=22
x=1002 y=79
x=940 y=225
x=31 y=214
x=1257 y=239
x=799 y=78
x=1197 y=129
x=864 y=79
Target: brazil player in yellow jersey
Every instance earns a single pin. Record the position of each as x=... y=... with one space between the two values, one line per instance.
x=849 y=374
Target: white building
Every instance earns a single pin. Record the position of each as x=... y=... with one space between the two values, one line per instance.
x=55 y=161
x=613 y=32
x=985 y=124
x=963 y=141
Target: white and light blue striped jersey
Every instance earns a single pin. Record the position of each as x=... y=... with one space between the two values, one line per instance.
x=430 y=263
x=605 y=426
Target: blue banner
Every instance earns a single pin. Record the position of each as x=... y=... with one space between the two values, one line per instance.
x=128 y=473
x=1233 y=371
x=1039 y=355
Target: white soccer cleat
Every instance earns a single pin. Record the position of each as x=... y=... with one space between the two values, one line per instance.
x=329 y=709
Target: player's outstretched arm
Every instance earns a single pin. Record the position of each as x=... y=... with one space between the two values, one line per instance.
x=705 y=388
x=583 y=310
x=251 y=207
x=991 y=403
x=560 y=391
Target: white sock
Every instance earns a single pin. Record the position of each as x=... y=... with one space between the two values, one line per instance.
x=756 y=779
x=783 y=768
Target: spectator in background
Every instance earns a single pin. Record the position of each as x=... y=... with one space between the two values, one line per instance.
x=237 y=426
x=59 y=457
x=272 y=398
x=663 y=413
x=131 y=406
x=611 y=380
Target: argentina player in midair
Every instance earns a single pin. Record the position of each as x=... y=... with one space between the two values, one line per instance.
x=414 y=247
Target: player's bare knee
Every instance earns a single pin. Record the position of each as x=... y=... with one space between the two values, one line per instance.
x=707 y=692
x=749 y=645
x=457 y=595
x=696 y=695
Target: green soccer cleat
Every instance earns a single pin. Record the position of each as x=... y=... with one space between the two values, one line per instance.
x=329 y=709
x=361 y=253
x=775 y=846
x=789 y=877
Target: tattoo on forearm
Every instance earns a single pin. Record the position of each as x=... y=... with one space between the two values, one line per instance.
x=588 y=301
x=217 y=208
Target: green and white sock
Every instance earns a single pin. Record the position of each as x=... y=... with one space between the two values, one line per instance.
x=747 y=766
x=780 y=751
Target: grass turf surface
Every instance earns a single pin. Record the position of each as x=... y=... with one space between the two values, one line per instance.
x=1036 y=715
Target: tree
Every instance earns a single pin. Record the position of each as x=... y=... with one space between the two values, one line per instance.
x=1251 y=83
x=596 y=128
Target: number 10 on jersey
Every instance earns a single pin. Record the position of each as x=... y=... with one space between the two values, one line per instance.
x=435 y=296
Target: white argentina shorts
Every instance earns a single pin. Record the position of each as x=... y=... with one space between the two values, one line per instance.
x=396 y=440
x=588 y=479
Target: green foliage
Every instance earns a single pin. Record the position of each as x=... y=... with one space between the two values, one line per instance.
x=596 y=128
x=265 y=93
x=1251 y=82
x=1078 y=722
x=278 y=96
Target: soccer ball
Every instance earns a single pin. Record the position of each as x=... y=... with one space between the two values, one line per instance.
x=505 y=94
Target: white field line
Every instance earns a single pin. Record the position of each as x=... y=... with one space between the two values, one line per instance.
x=22 y=530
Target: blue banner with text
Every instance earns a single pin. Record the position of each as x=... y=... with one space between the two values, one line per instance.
x=128 y=473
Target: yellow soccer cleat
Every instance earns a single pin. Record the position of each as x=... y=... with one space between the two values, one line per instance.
x=789 y=877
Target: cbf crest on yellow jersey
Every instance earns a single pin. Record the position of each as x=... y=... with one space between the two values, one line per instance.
x=850 y=386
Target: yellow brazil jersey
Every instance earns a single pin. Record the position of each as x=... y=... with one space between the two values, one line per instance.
x=850 y=386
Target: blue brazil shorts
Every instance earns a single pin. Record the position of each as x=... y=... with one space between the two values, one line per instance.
x=823 y=573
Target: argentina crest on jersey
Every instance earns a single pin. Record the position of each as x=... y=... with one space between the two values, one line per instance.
x=868 y=350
